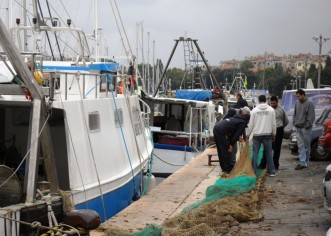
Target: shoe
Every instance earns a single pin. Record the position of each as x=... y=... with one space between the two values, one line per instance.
x=272 y=174
x=300 y=167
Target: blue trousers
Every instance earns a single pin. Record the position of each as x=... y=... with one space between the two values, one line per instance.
x=266 y=140
x=304 y=140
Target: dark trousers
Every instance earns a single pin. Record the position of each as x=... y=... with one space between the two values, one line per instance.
x=276 y=146
x=224 y=156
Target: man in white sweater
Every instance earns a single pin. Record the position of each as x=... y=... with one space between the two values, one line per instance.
x=262 y=126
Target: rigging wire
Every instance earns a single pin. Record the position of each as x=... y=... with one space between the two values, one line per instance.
x=125 y=144
x=119 y=30
x=56 y=39
x=118 y=12
x=140 y=155
x=47 y=36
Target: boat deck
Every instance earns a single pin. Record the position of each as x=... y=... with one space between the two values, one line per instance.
x=184 y=187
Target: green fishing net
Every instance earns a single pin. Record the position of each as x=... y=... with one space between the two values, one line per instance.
x=231 y=200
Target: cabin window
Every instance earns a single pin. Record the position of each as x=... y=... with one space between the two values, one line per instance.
x=136 y=121
x=118 y=114
x=94 y=121
x=106 y=83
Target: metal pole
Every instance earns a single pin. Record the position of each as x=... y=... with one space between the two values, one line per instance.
x=165 y=68
x=204 y=60
x=153 y=59
x=148 y=76
x=319 y=62
x=320 y=40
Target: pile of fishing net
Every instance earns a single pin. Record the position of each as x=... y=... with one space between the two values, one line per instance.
x=228 y=202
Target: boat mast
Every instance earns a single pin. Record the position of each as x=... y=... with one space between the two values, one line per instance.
x=96 y=30
x=148 y=77
x=25 y=36
x=10 y=13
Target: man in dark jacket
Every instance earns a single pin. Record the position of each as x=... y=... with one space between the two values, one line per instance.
x=226 y=134
x=240 y=102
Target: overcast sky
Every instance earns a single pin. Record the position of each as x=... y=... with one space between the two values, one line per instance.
x=225 y=29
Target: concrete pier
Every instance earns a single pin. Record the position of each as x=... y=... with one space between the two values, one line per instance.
x=291 y=202
x=184 y=187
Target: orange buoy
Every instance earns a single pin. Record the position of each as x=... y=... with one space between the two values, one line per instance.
x=38 y=76
x=121 y=88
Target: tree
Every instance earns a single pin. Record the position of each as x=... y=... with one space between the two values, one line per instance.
x=176 y=75
x=312 y=73
x=246 y=66
x=326 y=72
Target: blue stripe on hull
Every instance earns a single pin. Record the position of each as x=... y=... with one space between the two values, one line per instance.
x=173 y=147
x=112 y=67
x=114 y=201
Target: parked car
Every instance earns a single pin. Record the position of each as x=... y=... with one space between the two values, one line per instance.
x=317 y=131
x=321 y=98
x=327 y=188
x=324 y=141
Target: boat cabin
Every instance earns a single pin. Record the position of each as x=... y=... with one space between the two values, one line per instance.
x=195 y=121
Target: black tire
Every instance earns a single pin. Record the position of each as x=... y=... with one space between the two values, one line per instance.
x=317 y=156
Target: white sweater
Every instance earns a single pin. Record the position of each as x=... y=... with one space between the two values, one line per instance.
x=262 y=121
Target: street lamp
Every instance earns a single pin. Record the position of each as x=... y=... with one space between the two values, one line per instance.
x=320 y=40
x=298 y=81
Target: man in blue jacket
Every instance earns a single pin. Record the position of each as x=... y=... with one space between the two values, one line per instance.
x=226 y=134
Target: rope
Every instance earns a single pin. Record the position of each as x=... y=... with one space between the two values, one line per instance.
x=126 y=148
x=37 y=224
x=93 y=158
x=101 y=78
x=166 y=161
x=140 y=156
x=135 y=138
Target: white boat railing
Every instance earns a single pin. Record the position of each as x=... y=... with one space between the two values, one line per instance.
x=146 y=111
x=102 y=87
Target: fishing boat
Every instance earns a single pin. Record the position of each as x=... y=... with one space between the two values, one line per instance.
x=74 y=146
x=177 y=144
